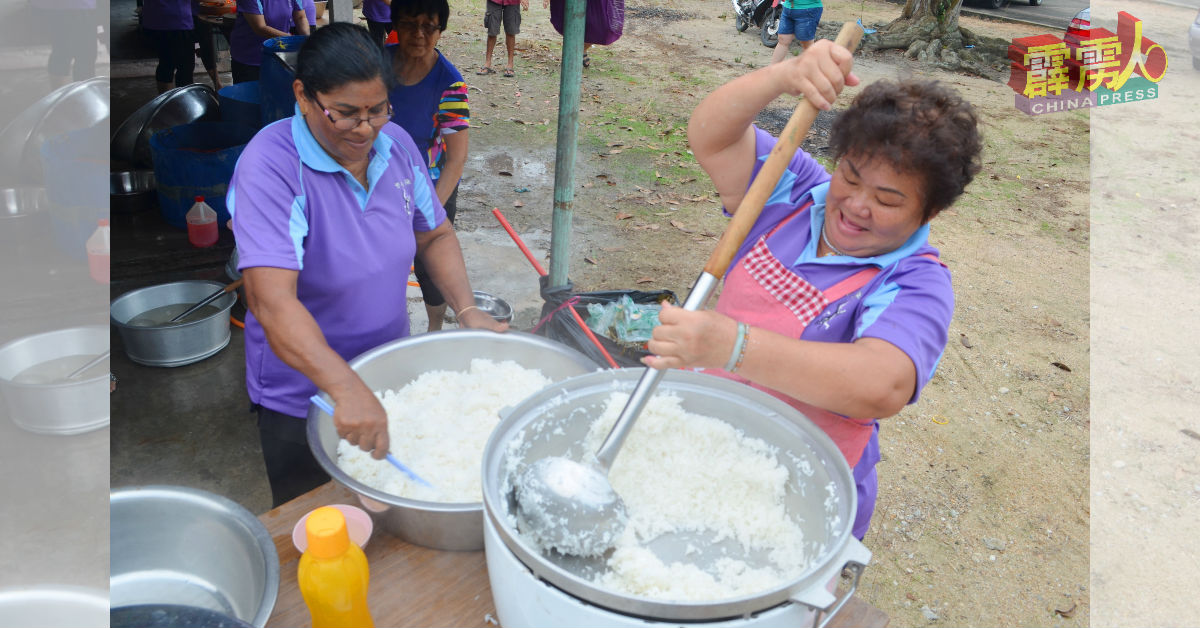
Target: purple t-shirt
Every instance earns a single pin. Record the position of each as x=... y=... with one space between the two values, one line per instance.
x=377 y=11
x=167 y=15
x=909 y=303
x=244 y=45
x=295 y=208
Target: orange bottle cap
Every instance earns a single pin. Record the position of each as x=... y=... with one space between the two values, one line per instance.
x=326 y=531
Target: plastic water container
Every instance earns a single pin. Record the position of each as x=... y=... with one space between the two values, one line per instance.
x=193 y=160
x=98 y=252
x=276 y=75
x=241 y=103
x=201 y=224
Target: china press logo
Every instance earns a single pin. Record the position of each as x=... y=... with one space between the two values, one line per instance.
x=1089 y=67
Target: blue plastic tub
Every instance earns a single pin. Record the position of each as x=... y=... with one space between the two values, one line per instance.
x=276 y=75
x=76 y=168
x=193 y=160
x=241 y=103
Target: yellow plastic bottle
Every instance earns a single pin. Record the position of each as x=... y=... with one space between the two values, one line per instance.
x=333 y=573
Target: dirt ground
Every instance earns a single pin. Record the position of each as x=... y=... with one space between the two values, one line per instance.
x=983 y=515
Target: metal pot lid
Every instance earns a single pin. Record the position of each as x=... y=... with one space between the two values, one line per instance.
x=561 y=414
x=171 y=616
x=182 y=105
x=69 y=108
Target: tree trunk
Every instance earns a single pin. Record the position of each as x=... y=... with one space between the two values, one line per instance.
x=928 y=31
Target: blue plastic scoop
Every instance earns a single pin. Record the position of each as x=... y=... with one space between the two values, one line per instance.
x=328 y=409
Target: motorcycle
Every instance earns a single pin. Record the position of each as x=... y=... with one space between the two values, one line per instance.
x=761 y=13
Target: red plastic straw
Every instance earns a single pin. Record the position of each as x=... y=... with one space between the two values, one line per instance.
x=541 y=271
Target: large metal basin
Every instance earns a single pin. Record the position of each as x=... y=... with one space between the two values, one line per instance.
x=69 y=108
x=182 y=105
x=450 y=526
x=62 y=606
x=58 y=407
x=178 y=545
x=820 y=498
x=174 y=345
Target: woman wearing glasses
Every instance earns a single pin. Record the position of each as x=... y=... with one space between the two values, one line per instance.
x=430 y=102
x=330 y=207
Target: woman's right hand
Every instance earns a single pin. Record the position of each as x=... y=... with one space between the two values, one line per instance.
x=819 y=74
x=361 y=420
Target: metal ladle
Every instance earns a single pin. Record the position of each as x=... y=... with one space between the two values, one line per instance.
x=571 y=506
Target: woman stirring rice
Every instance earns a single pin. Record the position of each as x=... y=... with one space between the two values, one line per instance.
x=330 y=207
x=836 y=303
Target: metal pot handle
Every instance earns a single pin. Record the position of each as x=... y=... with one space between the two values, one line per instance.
x=855 y=557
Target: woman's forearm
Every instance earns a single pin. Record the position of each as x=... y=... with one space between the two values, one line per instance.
x=456 y=161
x=440 y=251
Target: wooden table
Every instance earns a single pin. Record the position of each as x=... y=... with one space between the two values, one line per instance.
x=417 y=586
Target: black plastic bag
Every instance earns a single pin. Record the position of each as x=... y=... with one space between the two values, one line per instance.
x=563 y=327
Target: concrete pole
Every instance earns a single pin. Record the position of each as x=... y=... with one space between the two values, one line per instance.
x=568 y=126
x=343 y=11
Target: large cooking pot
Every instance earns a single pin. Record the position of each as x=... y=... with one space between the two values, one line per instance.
x=449 y=526
x=58 y=406
x=176 y=344
x=820 y=498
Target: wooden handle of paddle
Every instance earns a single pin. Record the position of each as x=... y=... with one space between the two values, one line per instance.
x=768 y=176
x=235 y=285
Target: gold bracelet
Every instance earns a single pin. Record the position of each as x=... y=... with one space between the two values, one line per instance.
x=459 y=313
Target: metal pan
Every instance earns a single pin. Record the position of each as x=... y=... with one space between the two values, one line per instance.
x=69 y=108
x=182 y=105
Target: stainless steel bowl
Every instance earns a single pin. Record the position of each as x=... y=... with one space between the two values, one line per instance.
x=391 y=366
x=178 y=545
x=53 y=607
x=22 y=201
x=131 y=190
x=496 y=307
x=182 y=105
x=820 y=498
x=59 y=407
x=174 y=345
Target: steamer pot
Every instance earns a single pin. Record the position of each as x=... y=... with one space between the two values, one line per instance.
x=821 y=496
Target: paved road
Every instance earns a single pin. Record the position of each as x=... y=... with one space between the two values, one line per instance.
x=1054 y=14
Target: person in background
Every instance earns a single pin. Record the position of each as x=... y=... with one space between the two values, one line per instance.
x=379 y=18
x=429 y=99
x=203 y=36
x=508 y=14
x=169 y=24
x=71 y=27
x=798 y=20
x=330 y=207
x=258 y=21
x=836 y=303
x=310 y=11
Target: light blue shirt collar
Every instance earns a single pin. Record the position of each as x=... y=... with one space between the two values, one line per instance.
x=817 y=222
x=314 y=156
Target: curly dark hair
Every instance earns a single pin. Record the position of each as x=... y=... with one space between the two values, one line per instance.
x=919 y=127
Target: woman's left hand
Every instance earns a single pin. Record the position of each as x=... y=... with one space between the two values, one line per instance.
x=685 y=339
x=475 y=318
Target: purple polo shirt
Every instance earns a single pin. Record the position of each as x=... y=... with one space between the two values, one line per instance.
x=377 y=11
x=244 y=45
x=167 y=15
x=295 y=208
x=909 y=303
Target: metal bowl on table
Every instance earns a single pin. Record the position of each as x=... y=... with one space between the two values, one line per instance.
x=820 y=498
x=33 y=384
x=53 y=606
x=450 y=526
x=131 y=191
x=174 y=344
x=172 y=545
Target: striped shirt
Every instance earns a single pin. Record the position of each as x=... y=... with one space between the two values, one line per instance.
x=431 y=109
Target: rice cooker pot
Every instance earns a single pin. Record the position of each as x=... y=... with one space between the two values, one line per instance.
x=821 y=494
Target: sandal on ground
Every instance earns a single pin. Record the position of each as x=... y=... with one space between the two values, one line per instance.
x=483 y=71
x=587 y=61
x=509 y=72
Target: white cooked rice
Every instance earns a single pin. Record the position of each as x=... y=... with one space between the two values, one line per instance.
x=683 y=472
x=438 y=425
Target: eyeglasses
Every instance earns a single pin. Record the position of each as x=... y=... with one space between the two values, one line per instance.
x=428 y=28
x=350 y=123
